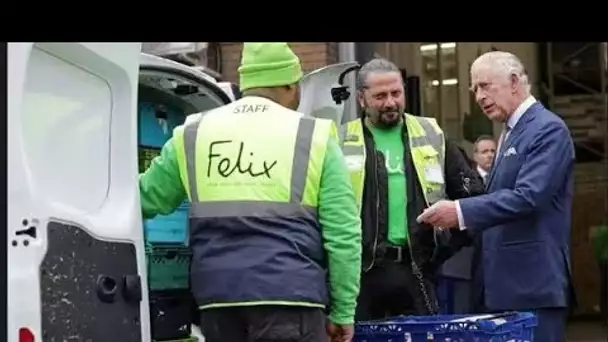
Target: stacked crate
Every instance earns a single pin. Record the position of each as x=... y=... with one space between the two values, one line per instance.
x=167 y=252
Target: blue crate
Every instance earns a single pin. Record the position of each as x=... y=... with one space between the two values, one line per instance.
x=151 y=133
x=169 y=229
x=512 y=327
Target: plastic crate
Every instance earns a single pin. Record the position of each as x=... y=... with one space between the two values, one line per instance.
x=511 y=327
x=154 y=132
x=170 y=315
x=168 y=267
x=169 y=229
x=145 y=157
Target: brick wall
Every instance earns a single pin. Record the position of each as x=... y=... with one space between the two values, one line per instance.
x=312 y=56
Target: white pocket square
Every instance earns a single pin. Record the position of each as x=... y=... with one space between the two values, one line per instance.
x=510 y=152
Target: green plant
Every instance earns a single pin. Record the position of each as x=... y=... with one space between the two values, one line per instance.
x=600 y=242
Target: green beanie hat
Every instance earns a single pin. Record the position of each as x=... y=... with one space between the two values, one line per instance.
x=268 y=65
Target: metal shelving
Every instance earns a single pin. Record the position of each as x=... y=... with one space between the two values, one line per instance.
x=577 y=89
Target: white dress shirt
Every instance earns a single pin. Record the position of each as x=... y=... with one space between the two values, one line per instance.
x=483 y=173
x=511 y=122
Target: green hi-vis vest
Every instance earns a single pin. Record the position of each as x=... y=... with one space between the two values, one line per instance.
x=252 y=170
x=427 y=146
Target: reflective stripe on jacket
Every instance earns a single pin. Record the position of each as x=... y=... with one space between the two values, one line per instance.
x=252 y=171
x=427 y=144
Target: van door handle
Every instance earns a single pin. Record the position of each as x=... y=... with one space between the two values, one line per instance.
x=131 y=288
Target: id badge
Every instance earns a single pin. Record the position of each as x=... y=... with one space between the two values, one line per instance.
x=434 y=174
x=355 y=163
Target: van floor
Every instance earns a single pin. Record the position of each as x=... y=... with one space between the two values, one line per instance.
x=587 y=331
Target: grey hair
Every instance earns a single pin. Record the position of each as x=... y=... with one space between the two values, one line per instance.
x=506 y=63
x=376 y=65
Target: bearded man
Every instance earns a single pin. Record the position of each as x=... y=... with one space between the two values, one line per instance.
x=400 y=164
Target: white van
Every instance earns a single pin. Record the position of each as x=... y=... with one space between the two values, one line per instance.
x=76 y=254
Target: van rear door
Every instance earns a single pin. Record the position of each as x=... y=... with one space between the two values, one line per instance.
x=316 y=97
x=76 y=259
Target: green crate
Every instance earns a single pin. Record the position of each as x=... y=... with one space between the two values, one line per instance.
x=145 y=157
x=168 y=267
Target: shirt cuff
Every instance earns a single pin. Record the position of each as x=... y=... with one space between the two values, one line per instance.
x=460 y=218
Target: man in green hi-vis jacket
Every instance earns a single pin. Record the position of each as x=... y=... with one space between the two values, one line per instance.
x=270 y=198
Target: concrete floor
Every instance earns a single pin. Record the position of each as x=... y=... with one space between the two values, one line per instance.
x=586 y=332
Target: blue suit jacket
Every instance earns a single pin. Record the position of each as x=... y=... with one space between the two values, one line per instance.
x=525 y=219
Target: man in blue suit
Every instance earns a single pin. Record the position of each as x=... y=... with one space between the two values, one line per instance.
x=525 y=217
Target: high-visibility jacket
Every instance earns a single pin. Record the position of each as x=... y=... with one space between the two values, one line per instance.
x=427 y=146
x=252 y=171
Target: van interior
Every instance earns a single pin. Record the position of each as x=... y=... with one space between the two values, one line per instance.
x=164 y=101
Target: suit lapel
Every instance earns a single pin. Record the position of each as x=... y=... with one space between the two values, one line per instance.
x=514 y=135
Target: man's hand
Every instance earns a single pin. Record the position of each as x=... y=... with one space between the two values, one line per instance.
x=440 y=215
x=340 y=333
